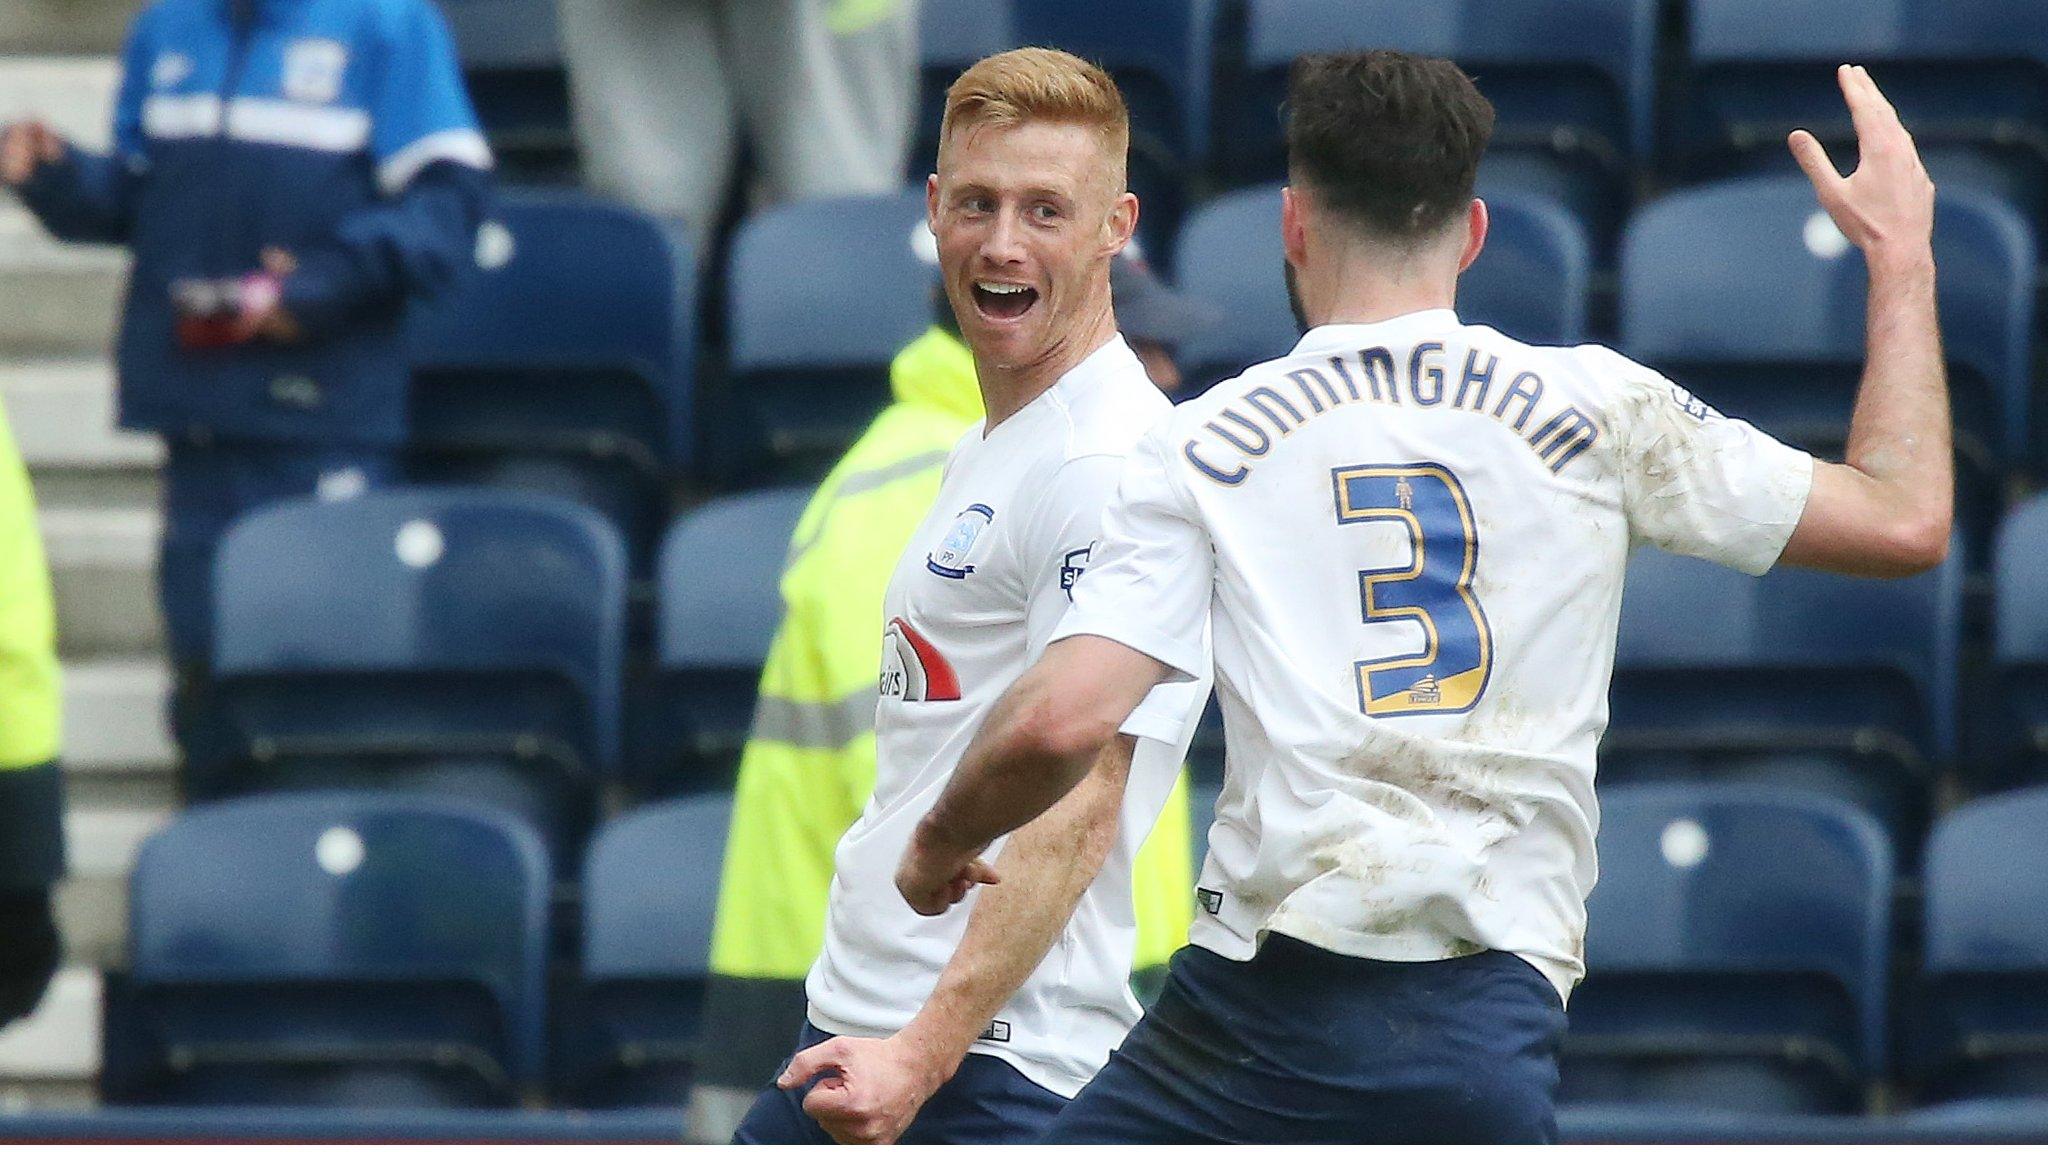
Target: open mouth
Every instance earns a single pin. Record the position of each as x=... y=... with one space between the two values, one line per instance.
x=1000 y=301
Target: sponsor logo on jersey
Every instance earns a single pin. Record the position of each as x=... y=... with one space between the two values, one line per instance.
x=313 y=68
x=1694 y=407
x=1071 y=566
x=1212 y=900
x=997 y=1031
x=950 y=558
x=912 y=669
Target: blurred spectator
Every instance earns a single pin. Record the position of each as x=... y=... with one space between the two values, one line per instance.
x=31 y=789
x=661 y=90
x=809 y=764
x=288 y=175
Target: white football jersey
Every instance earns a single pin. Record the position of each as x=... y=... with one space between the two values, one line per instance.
x=1413 y=535
x=971 y=605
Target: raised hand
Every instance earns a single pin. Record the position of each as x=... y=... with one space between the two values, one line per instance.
x=1887 y=204
x=25 y=146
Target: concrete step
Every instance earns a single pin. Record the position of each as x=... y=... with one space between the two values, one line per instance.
x=51 y=1057
x=56 y=299
x=103 y=568
x=62 y=412
x=116 y=717
x=92 y=901
x=72 y=94
x=76 y=26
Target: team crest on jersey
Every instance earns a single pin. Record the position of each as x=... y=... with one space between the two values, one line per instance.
x=1071 y=566
x=313 y=68
x=912 y=669
x=951 y=558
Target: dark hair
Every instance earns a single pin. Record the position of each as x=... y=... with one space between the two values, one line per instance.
x=1389 y=140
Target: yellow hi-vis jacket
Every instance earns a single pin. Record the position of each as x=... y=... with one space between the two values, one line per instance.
x=29 y=703
x=809 y=763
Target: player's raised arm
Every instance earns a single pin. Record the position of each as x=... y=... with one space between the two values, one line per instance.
x=1886 y=511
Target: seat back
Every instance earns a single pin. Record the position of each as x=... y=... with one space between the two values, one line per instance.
x=1159 y=51
x=1695 y=881
x=417 y=582
x=348 y=892
x=823 y=294
x=1693 y=263
x=576 y=333
x=720 y=603
x=650 y=891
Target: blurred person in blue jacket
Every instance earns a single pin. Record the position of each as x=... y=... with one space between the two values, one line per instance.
x=288 y=174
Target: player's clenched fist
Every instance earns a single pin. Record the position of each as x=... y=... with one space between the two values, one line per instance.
x=933 y=879
x=25 y=146
x=1887 y=204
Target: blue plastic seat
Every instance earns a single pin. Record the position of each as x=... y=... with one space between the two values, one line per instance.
x=1571 y=82
x=1736 y=947
x=719 y=593
x=1983 y=997
x=1968 y=77
x=330 y=948
x=1531 y=281
x=650 y=894
x=1695 y=264
x=951 y=36
x=564 y=362
x=822 y=295
x=2014 y=725
x=1836 y=684
x=450 y=639
x=512 y=63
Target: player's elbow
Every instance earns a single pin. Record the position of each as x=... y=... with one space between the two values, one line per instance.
x=1920 y=543
x=1053 y=730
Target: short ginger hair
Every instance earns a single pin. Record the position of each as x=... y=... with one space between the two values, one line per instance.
x=1033 y=84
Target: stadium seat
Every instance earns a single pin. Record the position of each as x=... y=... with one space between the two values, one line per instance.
x=650 y=892
x=1837 y=684
x=447 y=639
x=1161 y=53
x=334 y=948
x=1969 y=77
x=821 y=297
x=951 y=35
x=1983 y=998
x=719 y=590
x=564 y=362
x=1530 y=281
x=1695 y=264
x=1571 y=82
x=512 y=63
x=1736 y=948
x=2014 y=726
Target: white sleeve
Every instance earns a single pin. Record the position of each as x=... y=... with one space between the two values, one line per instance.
x=1700 y=484
x=1148 y=585
x=1064 y=541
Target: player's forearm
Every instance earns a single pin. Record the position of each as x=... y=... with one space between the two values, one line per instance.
x=1032 y=752
x=1899 y=435
x=1047 y=866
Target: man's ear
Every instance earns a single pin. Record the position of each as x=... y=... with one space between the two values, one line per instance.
x=1123 y=221
x=1476 y=220
x=1293 y=229
x=931 y=203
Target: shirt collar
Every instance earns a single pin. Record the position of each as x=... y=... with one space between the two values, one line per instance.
x=1338 y=337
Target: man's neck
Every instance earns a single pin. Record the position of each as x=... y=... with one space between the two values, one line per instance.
x=1005 y=390
x=1365 y=284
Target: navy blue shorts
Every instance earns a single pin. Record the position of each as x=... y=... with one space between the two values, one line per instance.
x=986 y=1102
x=1303 y=1046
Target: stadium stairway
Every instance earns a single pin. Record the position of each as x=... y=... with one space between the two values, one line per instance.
x=97 y=489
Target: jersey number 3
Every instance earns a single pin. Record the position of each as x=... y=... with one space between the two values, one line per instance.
x=1433 y=590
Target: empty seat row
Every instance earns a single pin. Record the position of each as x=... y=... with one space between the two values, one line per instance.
x=372 y=948
x=384 y=950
